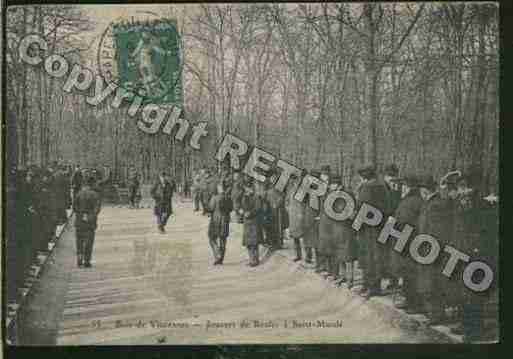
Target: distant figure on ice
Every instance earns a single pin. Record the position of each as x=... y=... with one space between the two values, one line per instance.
x=196 y=189
x=220 y=207
x=135 y=190
x=87 y=205
x=162 y=192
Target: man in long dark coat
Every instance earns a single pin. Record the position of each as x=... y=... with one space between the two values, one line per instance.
x=277 y=215
x=220 y=207
x=372 y=192
x=345 y=246
x=435 y=219
x=254 y=207
x=403 y=266
x=331 y=232
x=87 y=206
x=475 y=233
x=390 y=178
x=162 y=192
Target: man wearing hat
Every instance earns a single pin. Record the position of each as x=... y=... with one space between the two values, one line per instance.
x=331 y=232
x=346 y=247
x=407 y=212
x=277 y=214
x=473 y=236
x=254 y=208
x=162 y=192
x=391 y=179
x=220 y=207
x=371 y=258
x=435 y=219
x=86 y=206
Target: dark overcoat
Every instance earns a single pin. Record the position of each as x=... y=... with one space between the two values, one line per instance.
x=468 y=237
x=371 y=253
x=87 y=205
x=311 y=227
x=277 y=214
x=346 y=244
x=163 y=196
x=61 y=191
x=76 y=181
x=407 y=212
x=393 y=200
x=337 y=238
x=435 y=219
x=220 y=206
x=254 y=208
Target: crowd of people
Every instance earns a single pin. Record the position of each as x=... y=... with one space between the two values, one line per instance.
x=452 y=210
x=40 y=198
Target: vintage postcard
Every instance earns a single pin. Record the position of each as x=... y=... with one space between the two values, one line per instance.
x=253 y=173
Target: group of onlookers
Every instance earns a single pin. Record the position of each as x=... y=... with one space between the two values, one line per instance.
x=38 y=198
x=453 y=210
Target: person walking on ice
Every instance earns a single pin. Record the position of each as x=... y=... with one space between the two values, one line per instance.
x=162 y=192
x=87 y=206
x=220 y=207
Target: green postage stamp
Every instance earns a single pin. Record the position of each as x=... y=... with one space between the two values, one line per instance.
x=148 y=59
